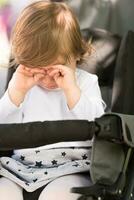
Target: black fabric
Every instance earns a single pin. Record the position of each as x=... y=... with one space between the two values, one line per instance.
x=129 y=189
x=123 y=87
x=86 y=192
x=102 y=60
x=34 y=134
x=32 y=195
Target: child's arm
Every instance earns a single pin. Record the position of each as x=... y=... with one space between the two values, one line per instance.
x=84 y=103
x=72 y=95
x=90 y=104
x=9 y=112
x=22 y=81
x=10 y=103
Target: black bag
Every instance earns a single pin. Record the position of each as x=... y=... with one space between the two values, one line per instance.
x=112 y=153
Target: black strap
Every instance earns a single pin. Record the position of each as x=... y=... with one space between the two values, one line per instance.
x=91 y=191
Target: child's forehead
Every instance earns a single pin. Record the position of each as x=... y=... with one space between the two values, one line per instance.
x=58 y=61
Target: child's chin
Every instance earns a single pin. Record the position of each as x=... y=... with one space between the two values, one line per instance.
x=48 y=86
x=52 y=87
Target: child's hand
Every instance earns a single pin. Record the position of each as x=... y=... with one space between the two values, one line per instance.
x=64 y=76
x=65 y=79
x=23 y=80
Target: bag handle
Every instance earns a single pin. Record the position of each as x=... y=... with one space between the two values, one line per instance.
x=116 y=127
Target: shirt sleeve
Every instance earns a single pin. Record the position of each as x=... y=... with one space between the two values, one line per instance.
x=9 y=112
x=90 y=104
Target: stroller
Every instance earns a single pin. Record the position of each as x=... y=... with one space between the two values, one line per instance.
x=113 y=136
x=112 y=158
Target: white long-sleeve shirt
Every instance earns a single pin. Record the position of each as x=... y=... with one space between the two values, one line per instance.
x=45 y=104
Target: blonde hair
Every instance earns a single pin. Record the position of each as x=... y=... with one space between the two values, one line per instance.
x=43 y=32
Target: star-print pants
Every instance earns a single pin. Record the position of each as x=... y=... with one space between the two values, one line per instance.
x=34 y=169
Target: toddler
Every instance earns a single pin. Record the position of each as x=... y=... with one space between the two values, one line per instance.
x=47 y=85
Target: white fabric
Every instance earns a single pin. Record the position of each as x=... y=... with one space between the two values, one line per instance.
x=34 y=169
x=10 y=190
x=41 y=104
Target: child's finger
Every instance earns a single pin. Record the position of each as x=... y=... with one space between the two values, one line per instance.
x=61 y=67
x=56 y=76
x=37 y=70
x=29 y=71
x=48 y=70
x=53 y=72
x=37 y=77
